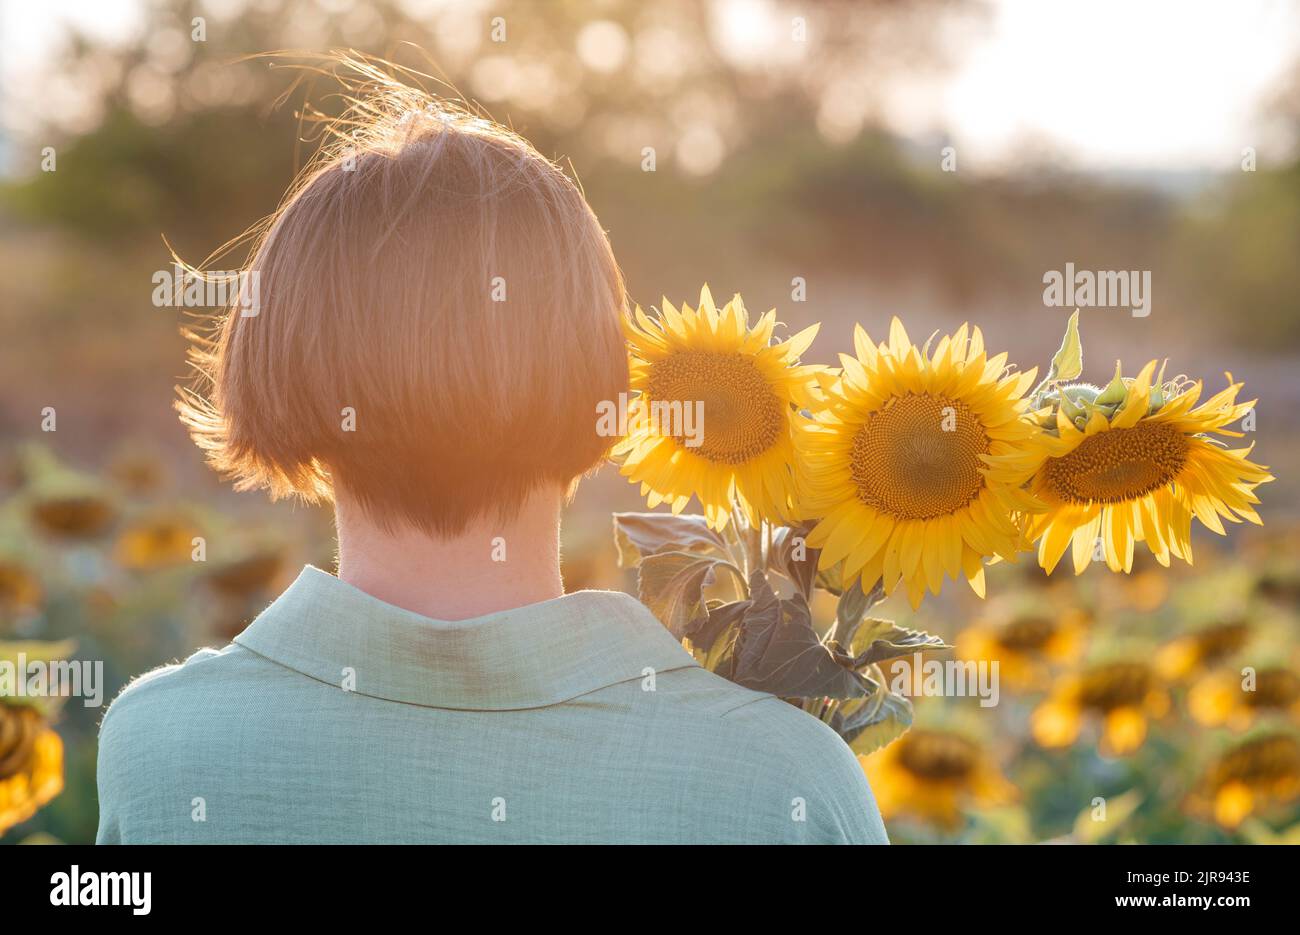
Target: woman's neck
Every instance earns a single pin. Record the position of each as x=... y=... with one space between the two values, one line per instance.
x=491 y=566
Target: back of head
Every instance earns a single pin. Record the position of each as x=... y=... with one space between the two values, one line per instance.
x=437 y=319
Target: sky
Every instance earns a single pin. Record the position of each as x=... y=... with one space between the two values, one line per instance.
x=1108 y=84
x=1124 y=84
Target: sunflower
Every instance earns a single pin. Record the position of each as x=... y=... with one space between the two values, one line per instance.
x=1025 y=644
x=155 y=542
x=63 y=503
x=1122 y=695
x=747 y=389
x=1251 y=776
x=72 y=516
x=31 y=764
x=894 y=464
x=1223 y=698
x=934 y=775
x=20 y=589
x=1202 y=649
x=1135 y=463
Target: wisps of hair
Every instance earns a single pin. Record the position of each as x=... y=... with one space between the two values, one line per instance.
x=375 y=281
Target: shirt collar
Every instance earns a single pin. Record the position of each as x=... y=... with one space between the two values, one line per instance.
x=526 y=657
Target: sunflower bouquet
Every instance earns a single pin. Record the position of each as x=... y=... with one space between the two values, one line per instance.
x=905 y=466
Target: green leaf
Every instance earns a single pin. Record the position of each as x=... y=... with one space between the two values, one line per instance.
x=1254 y=831
x=720 y=659
x=791 y=557
x=36 y=650
x=778 y=651
x=1115 y=390
x=637 y=535
x=1071 y=409
x=1119 y=809
x=1068 y=362
x=879 y=640
x=672 y=585
x=832 y=579
x=703 y=633
x=852 y=607
x=875 y=722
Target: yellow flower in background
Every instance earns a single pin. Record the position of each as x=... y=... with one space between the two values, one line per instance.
x=895 y=468
x=747 y=389
x=1122 y=696
x=61 y=502
x=1206 y=647
x=155 y=542
x=935 y=775
x=1025 y=645
x=1237 y=700
x=1250 y=777
x=31 y=763
x=1135 y=463
x=73 y=516
x=20 y=589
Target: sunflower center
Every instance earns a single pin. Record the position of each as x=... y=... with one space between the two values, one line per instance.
x=1260 y=762
x=1119 y=464
x=1027 y=633
x=742 y=416
x=1275 y=689
x=1223 y=639
x=919 y=457
x=1117 y=685
x=73 y=516
x=937 y=755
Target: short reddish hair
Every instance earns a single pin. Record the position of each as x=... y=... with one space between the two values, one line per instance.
x=379 y=280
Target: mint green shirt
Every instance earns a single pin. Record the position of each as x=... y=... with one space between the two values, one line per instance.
x=338 y=718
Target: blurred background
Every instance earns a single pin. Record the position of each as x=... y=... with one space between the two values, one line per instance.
x=840 y=161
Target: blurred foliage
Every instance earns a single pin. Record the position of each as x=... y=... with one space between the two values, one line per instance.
x=116 y=567
x=184 y=139
x=1245 y=246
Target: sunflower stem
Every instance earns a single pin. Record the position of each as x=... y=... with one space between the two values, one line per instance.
x=878 y=696
x=744 y=537
x=739 y=582
x=738 y=537
x=731 y=543
x=754 y=548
